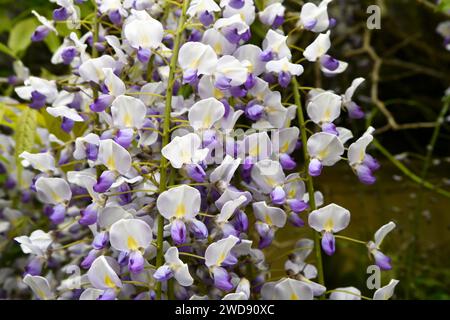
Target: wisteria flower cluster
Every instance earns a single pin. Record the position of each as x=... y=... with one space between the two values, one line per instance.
x=181 y=147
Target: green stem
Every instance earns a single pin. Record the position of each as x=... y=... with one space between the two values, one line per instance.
x=415 y=221
x=408 y=172
x=309 y=180
x=350 y=239
x=166 y=135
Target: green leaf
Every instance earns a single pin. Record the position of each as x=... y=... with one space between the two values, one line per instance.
x=24 y=137
x=7 y=51
x=20 y=36
x=52 y=42
x=444 y=5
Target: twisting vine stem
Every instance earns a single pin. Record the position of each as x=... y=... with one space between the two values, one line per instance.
x=309 y=180
x=166 y=135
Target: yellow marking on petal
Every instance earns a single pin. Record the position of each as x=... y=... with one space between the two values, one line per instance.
x=291 y=193
x=207 y=121
x=284 y=148
x=327 y=115
x=329 y=225
x=253 y=152
x=194 y=64
x=362 y=154
x=294 y=296
x=270 y=181
x=221 y=259
x=323 y=154
x=268 y=219
x=109 y=283
x=180 y=211
x=218 y=48
x=218 y=94
x=56 y=196
x=132 y=243
x=127 y=120
x=111 y=163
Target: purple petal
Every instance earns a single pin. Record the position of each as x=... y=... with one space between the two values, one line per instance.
x=315 y=167
x=328 y=243
x=163 y=273
x=222 y=280
x=178 y=231
x=136 y=262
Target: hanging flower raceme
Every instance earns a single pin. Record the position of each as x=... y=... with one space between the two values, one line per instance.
x=171 y=146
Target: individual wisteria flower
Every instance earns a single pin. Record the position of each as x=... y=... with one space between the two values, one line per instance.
x=185 y=150
x=143 y=33
x=323 y=109
x=329 y=220
x=204 y=10
x=56 y=192
x=269 y=219
x=325 y=149
x=196 y=58
x=37 y=243
x=284 y=69
x=363 y=164
x=315 y=17
x=174 y=267
x=354 y=110
x=386 y=292
x=39 y=91
x=381 y=260
x=273 y=15
x=44 y=29
x=218 y=256
x=180 y=205
x=131 y=236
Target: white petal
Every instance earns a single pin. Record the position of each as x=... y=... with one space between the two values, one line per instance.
x=218 y=251
x=273 y=216
x=130 y=235
x=383 y=232
x=40 y=287
x=101 y=274
x=346 y=293
x=66 y=112
x=331 y=218
x=290 y=289
x=143 y=31
x=39 y=161
x=326 y=147
x=181 y=202
x=205 y=113
x=115 y=85
x=386 y=292
x=128 y=112
x=197 y=56
x=53 y=190
x=324 y=107
x=318 y=48
x=357 y=150
x=114 y=156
